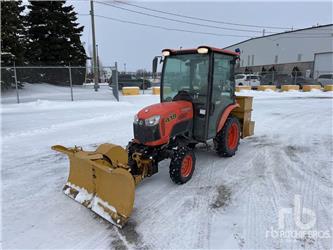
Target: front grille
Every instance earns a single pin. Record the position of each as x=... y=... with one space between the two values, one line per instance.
x=144 y=133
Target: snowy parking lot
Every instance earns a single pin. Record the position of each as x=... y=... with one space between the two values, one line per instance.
x=229 y=203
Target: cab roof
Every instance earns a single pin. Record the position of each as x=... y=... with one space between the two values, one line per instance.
x=194 y=50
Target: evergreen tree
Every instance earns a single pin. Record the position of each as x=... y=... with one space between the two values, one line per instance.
x=12 y=31
x=54 y=34
x=12 y=40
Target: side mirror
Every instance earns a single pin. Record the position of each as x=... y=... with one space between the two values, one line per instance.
x=155 y=62
x=235 y=60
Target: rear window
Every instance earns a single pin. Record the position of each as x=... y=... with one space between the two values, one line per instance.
x=239 y=76
x=252 y=77
x=326 y=76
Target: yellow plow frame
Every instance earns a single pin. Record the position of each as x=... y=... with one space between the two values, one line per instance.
x=100 y=180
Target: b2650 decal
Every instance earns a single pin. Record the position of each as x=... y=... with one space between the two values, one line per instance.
x=170 y=118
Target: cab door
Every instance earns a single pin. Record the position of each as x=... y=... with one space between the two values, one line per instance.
x=222 y=91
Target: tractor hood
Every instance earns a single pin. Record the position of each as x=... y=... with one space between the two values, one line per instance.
x=155 y=124
x=172 y=110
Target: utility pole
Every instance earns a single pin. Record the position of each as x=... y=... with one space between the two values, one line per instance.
x=125 y=68
x=96 y=86
x=98 y=66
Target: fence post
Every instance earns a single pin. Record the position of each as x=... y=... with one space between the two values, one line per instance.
x=16 y=87
x=114 y=84
x=143 y=82
x=70 y=81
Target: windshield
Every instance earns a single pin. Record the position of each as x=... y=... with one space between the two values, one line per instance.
x=185 y=72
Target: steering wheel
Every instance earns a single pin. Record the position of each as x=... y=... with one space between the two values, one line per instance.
x=183 y=95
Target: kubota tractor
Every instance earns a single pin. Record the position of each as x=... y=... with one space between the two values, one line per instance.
x=197 y=104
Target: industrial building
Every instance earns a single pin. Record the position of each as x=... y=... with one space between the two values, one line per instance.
x=310 y=50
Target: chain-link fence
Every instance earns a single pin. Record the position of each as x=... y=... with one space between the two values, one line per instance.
x=279 y=78
x=29 y=83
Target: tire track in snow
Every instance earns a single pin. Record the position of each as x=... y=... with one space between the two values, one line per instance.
x=306 y=185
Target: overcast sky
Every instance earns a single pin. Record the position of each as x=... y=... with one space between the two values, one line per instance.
x=137 y=45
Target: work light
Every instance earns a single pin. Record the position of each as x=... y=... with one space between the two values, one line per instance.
x=202 y=50
x=166 y=52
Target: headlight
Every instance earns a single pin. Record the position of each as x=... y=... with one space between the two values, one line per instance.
x=136 y=119
x=151 y=121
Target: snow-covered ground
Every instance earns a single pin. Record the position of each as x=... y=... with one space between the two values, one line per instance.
x=229 y=203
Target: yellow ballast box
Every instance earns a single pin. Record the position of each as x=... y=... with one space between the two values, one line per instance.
x=239 y=88
x=289 y=87
x=248 y=129
x=328 y=88
x=266 y=87
x=244 y=102
x=156 y=90
x=307 y=88
x=130 y=90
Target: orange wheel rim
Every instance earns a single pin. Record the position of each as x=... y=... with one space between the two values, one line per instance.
x=187 y=165
x=233 y=135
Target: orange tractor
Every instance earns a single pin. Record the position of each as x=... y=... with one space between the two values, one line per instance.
x=197 y=104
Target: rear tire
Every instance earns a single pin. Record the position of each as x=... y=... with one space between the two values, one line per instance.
x=182 y=165
x=227 y=140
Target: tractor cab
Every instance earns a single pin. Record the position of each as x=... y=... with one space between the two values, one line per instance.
x=203 y=76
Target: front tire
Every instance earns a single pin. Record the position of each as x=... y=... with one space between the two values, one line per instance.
x=227 y=140
x=182 y=165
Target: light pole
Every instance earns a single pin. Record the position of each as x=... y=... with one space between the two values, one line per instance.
x=125 y=68
x=96 y=86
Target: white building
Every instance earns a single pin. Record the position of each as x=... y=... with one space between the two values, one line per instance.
x=310 y=50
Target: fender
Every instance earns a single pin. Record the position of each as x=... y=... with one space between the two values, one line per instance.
x=226 y=112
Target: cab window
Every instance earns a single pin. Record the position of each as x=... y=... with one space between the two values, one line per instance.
x=222 y=82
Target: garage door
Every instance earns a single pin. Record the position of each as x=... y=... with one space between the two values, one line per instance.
x=323 y=63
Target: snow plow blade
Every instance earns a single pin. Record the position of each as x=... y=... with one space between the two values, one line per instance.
x=100 y=180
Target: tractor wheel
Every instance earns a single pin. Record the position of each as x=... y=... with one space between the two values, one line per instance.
x=182 y=165
x=227 y=140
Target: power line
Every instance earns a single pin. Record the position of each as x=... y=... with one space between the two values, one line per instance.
x=177 y=20
x=166 y=28
x=198 y=32
x=203 y=19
